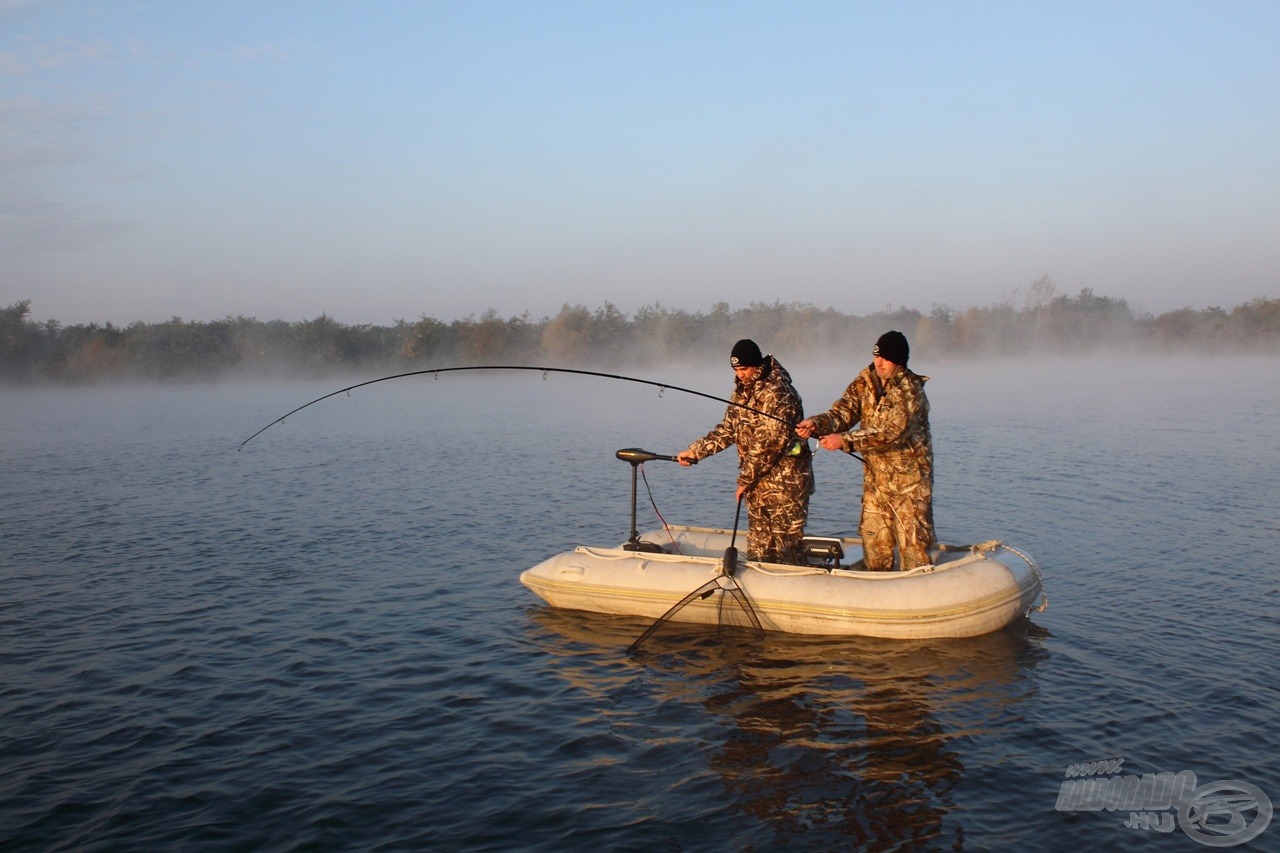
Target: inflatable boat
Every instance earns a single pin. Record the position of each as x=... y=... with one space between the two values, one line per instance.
x=968 y=590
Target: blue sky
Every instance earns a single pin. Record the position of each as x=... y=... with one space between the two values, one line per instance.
x=388 y=160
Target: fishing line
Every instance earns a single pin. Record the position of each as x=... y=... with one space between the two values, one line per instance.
x=662 y=386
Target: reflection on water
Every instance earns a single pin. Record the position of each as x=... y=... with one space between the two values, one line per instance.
x=848 y=739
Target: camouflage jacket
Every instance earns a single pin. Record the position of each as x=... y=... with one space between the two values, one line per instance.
x=894 y=436
x=762 y=441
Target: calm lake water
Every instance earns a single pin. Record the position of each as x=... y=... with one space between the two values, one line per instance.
x=321 y=642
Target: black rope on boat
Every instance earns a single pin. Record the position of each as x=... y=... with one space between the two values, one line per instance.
x=675 y=546
x=661 y=386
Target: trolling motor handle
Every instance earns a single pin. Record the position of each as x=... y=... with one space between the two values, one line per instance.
x=636 y=456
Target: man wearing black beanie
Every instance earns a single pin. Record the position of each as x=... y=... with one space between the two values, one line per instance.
x=888 y=401
x=775 y=470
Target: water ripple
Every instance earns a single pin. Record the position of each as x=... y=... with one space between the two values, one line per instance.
x=320 y=642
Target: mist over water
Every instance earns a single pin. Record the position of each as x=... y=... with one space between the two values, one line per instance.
x=321 y=640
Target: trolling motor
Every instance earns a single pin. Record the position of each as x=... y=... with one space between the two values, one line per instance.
x=638 y=457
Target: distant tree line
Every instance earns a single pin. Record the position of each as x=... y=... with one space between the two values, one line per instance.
x=1035 y=321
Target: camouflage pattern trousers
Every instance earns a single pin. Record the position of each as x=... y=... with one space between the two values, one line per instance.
x=775 y=524
x=896 y=511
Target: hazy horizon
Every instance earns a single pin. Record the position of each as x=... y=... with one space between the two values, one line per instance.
x=1015 y=298
x=390 y=162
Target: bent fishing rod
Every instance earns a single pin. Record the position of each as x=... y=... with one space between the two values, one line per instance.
x=662 y=386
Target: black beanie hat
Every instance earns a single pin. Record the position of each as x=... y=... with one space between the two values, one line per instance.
x=746 y=354
x=892 y=346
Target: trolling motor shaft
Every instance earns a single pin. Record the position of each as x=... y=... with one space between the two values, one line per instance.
x=637 y=457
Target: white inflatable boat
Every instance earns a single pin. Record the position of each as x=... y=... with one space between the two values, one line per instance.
x=968 y=591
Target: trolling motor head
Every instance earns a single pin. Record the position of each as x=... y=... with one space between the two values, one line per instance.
x=636 y=457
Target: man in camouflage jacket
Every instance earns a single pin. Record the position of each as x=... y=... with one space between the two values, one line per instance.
x=889 y=402
x=775 y=470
